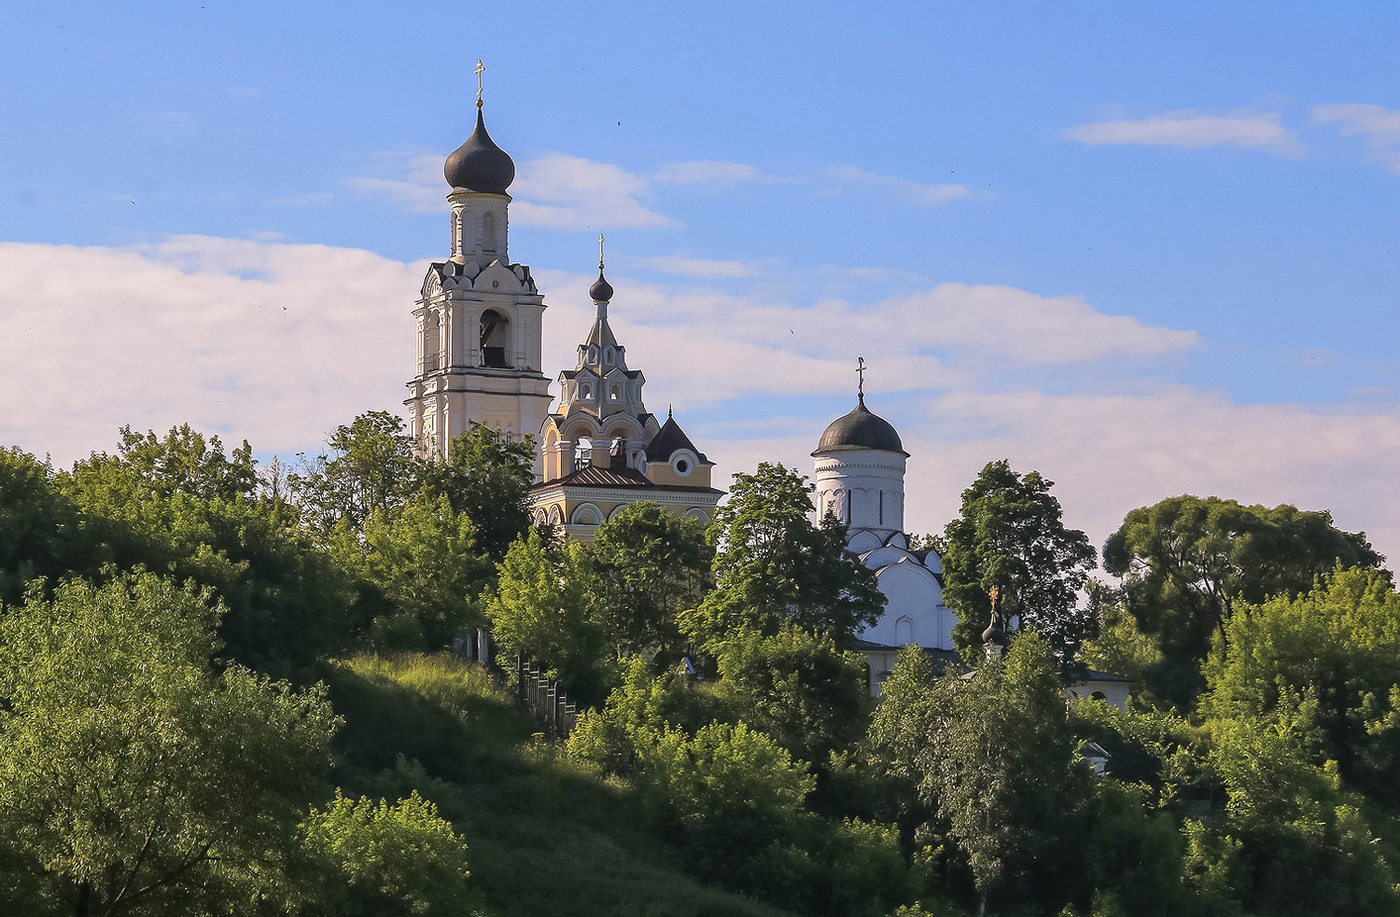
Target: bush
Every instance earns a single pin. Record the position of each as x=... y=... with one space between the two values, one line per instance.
x=384 y=861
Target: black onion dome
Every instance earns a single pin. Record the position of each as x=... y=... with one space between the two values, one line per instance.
x=860 y=429
x=601 y=291
x=479 y=165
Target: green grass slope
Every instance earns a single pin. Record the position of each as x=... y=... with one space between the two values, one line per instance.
x=545 y=835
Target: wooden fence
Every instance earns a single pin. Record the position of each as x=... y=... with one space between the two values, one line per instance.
x=543 y=696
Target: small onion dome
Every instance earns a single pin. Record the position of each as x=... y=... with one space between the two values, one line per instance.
x=860 y=429
x=479 y=165
x=601 y=291
x=994 y=635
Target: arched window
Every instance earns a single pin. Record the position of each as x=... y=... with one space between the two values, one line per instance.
x=456 y=232
x=488 y=232
x=903 y=631
x=495 y=328
x=615 y=392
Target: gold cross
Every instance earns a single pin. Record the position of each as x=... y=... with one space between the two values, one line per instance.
x=860 y=372
x=600 y=252
x=480 y=68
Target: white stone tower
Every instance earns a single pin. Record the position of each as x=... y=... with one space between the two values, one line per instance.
x=479 y=315
x=860 y=464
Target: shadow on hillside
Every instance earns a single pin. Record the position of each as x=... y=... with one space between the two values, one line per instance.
x=545 y=834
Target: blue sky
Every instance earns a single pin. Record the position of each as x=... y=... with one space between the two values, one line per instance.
x=1145 y=248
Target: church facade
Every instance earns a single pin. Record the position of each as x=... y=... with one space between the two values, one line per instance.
x=480 y=316
x=604 y=451
x=859 y=467
x=480 y=321
x=479 y=359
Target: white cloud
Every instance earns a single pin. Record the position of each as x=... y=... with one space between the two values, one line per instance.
x=1194 y=130
x=560 y=191
x=847 y=179
x=277 y=343
x=704 y=268
x=1108 y=454
x=565 y=192
x=1379 y=126
x=718 y=174
x=417 y=184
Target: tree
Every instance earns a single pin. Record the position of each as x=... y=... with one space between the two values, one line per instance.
x=368 y=468
x=1323 y=668
x=387 y=861
x=136 y=778
x=645 y=567
x=993 y=758
x=798 y=687
x=1187 y=562
x=487 y=478
x=541 y=609
x=426 y=563
x=41 y=531
x=1010 y=536
x=179 y=505
x=772 y=564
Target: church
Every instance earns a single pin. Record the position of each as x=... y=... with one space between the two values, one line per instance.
x=479 y=358
x=480 y=330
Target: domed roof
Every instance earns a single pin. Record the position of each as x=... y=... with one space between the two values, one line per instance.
x=479 y=165
x=601 y=291
x=860 y=429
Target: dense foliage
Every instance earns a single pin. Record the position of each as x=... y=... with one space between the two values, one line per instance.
x=1009 y=537
x=226 y=693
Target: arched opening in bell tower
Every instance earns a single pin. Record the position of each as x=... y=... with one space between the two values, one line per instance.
x=495 y=329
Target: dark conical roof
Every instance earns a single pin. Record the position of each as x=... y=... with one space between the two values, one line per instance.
x=480 y=165
x=860 y=429
x=601 y=291
x=669 y=440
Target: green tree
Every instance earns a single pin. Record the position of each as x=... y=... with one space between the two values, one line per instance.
x=1298 y=844
x=646 y=567
x=41 y=531
x=729 y=792
x=798 y=687
x=135 y=778
x=1187 y=562
x=1009 y=535
x=178 y=505
x=400 y=860
x=772 y=564
x=369 y=467
x=540 y=608
x=992 y=758
x=425 y=562
x=487 y=478
x=1324 y=668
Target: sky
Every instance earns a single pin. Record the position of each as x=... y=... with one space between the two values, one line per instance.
x=1145 y=249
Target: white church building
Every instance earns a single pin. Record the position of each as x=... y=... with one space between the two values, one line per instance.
x=479 y=323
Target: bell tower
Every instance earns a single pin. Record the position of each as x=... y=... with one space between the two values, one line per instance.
x=479 y=315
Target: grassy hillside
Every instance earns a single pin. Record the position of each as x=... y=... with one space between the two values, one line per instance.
x=546 y=836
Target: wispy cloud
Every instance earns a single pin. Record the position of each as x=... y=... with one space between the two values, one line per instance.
x=560 y=191
x=1379 y=126
x=702 y=268
x=237 y=337
x=829 y=180
x=849 y=179
x=715 y=174
x=309 y=199
x=566 y=192
x=1194 y=130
